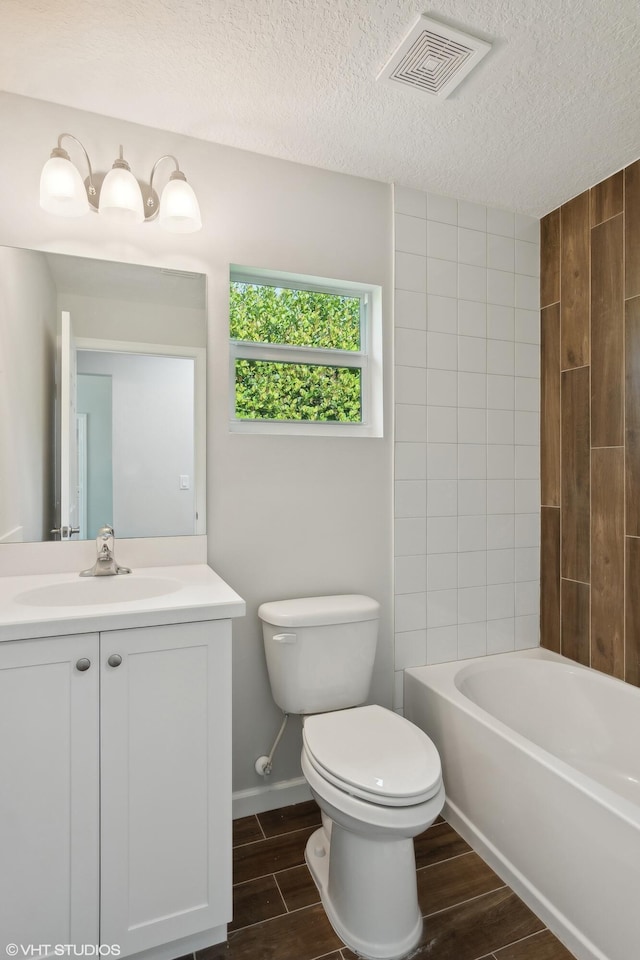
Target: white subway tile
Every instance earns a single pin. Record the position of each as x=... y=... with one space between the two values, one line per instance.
x=442 y=461
x=442 y=498
x=442 y=314
x=410 y=574
x=442 y=388
x=500 y=221
x=500 y=496
x=472 y=247
x=410 y=385
x=528 y=529
x=500 y=461
x=472 y=640
x=500 y=635
x=398 y=691
x=472 y=215
x=500 y=288
x=410 y=537
x=527 y=360
x=500 y=357
x=527 y=632
x=442 y=240
x=500 y=566
x=411 y=498
x=527 y=496
x=527 y=393
x=442 y=608
x=527 y=427
x=411 y=309
x=442 y=571
x=472 y=425
x=527 y=463
x=411 y=347
x=527 y=228
x=409 y=201
x=442 y=351
x=500 y=531
x=527 y=326
x=500 y=253
x=442 y=425
x=411 y=649
x=472 y=533
x=442 y=277
x=500 y=426
x=472 y=497
x=527 y=258
x=528 y=598
x=442 y=534
x=442 y=644
x=411 y=612
x=472 y=604
x=472 y=569
x=500 y=392
x=527 y=563
x=527 y=292
x=411 y=461
x=411 y=235
x=472 y=318
x=500 y=322
x=472 y=354
x=411 y=273
x=444 y=209
x=411 y=423
x=500 y=601
x=472 y=461
x=472 y=282
x=472 y=390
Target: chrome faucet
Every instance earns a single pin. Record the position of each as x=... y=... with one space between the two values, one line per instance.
x=105 y=565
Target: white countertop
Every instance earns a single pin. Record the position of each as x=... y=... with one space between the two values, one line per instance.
x=29 y=606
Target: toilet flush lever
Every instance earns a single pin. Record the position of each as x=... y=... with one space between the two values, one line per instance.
x=285 y=638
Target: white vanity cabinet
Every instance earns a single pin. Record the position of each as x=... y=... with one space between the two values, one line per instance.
x=115 y=788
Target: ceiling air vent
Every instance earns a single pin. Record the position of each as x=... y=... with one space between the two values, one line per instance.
x=434 y=58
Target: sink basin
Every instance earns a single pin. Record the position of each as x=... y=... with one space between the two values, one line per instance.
x=98 y=590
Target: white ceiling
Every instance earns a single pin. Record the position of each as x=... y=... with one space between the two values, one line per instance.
x=552 y=109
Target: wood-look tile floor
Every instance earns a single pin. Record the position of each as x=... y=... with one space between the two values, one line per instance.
x=469 y=912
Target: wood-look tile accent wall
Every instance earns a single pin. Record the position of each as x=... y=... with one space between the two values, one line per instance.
x=590 y=427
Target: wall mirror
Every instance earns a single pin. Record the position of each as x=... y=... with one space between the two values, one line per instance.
x=102 y=398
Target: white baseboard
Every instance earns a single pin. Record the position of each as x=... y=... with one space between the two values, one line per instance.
x=270 y=796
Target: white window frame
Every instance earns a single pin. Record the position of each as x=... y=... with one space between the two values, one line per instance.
x=368 y=359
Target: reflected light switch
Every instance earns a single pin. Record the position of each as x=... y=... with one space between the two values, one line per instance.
x=184 y=481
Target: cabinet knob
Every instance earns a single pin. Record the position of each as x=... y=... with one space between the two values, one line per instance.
x=114 y=660
x=83 y=664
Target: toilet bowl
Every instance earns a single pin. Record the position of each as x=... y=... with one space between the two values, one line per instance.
x=378 y=782
x=376 y=777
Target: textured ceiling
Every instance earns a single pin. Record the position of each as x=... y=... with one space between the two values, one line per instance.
x=552 y=109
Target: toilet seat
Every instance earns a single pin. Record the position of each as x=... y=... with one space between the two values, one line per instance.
x=375 y=754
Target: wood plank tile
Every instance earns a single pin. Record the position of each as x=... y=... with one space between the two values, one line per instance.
x=246 y=830
x=574 y=281
x=550 y=406
x=297 y=887
x=550 y=258
x=256 y=900
x=550 y=579
x=439 y=842
x=477 y=927
x=607 y=560
x=298 y=816
x=268 y=856
x=575 y=639
x=541 y=946
x=632 y=613
x=453 y=881
x=575 y=468
x=607 y=198
x=632 y=229
x=607 y=334
x=632 y=414
x=303 y=935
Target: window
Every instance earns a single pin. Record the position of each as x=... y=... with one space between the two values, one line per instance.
x=304 y=355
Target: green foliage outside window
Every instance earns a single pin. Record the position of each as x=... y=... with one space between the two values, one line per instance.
x=268 y=390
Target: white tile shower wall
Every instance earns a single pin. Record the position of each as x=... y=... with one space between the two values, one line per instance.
x=467 y=387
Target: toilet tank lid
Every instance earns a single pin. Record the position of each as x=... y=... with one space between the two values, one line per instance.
x=319 y=611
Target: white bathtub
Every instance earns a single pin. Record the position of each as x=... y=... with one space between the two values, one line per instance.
x=541 y=762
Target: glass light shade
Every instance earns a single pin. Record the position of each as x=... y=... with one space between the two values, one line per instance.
x=120 y=196
x=179 y=209
x=62 y=190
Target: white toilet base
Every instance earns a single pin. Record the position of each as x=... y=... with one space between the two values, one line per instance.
x=368 y=890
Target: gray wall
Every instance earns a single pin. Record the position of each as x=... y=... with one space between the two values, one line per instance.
x=286 y=516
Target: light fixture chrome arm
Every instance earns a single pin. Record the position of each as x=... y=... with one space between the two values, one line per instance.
x=59 y=151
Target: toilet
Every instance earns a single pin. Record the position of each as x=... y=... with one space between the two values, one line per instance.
x=375 y=776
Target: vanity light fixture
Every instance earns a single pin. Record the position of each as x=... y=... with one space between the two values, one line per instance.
x=118 y=194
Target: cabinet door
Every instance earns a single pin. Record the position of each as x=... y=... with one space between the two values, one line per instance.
x=166 y=784
x=49 y=792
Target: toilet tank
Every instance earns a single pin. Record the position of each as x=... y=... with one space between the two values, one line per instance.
x=320 y=651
